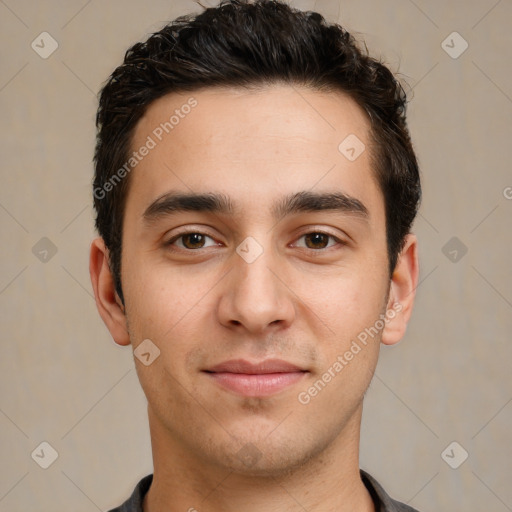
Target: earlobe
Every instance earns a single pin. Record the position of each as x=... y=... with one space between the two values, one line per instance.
x=108 y=302
x=402 y=292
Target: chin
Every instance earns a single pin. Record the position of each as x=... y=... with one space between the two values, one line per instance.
x=265 y=458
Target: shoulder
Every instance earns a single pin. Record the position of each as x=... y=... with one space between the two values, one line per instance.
x=134 y=502
x=383 y=502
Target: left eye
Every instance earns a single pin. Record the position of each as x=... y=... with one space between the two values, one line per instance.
x=318 y=240
x=192 y=241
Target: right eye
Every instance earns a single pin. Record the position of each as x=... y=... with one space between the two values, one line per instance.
x=191 y=240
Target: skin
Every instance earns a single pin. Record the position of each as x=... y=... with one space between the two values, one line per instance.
x=202 y=306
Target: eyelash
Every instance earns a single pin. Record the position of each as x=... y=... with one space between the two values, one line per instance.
x=320 y=232
x=195 y=232
x=185 y=233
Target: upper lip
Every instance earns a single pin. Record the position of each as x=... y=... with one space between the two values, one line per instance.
x=266 y=366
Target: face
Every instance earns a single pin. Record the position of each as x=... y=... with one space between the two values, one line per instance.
x=282 y=257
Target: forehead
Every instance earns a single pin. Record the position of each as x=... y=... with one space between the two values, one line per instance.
x=253 y=145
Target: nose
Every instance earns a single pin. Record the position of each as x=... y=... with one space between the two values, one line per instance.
x=254 y=298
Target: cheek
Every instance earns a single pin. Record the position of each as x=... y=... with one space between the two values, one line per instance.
x=160 y=297
x=352 y=310
x=345 y=302
x=175 y=310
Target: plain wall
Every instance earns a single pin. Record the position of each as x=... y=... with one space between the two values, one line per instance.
x=65 y=382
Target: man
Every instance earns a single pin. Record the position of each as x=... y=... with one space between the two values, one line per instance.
x=255 y=188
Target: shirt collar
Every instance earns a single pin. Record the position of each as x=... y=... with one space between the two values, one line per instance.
x=382 y=501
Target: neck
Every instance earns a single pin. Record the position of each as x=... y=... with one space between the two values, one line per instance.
x=329 y=481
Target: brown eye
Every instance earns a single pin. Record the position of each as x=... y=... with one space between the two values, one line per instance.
x=193 y=240
x=317 y=240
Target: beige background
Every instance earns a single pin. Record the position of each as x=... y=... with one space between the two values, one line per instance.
x=65 y=382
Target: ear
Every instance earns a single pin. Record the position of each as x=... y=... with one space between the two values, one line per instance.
x=108 y=302
x=402 y=292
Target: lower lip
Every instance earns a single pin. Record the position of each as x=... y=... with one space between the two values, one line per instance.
x=256 y=385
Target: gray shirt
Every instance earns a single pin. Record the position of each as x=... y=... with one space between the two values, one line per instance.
x=383 y=503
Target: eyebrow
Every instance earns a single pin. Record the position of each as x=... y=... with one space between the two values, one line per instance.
x=305 y=201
